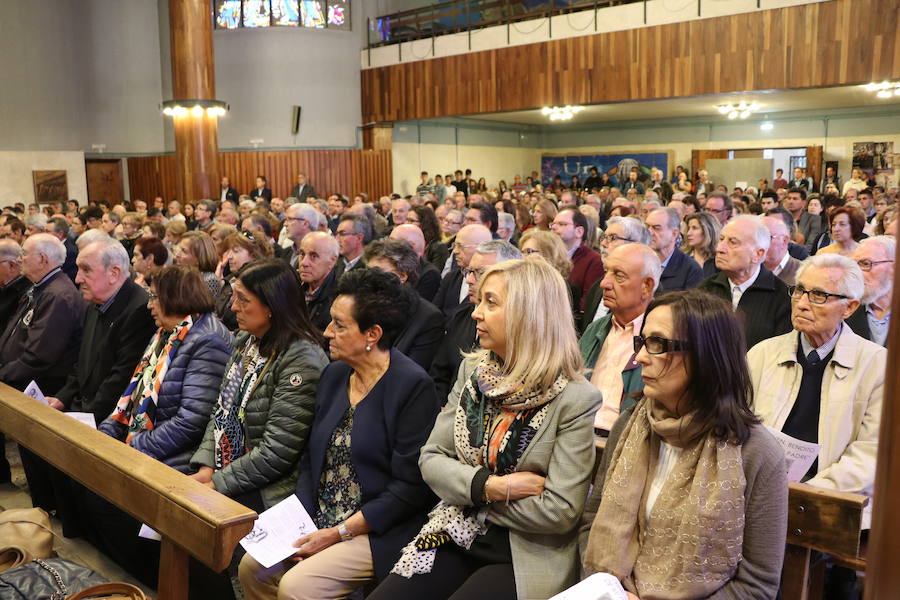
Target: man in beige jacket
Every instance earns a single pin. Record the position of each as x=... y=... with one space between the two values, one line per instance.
x=823 y=383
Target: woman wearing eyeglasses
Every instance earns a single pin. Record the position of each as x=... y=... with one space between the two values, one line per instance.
x=690 y=500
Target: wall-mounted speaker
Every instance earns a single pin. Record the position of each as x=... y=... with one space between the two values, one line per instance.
x=295 y=120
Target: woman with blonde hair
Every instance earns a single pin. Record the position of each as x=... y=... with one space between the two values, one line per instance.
x=700 y=238
x=543 y=213
x=537 y=244
x=510 y=455
x=197 y=249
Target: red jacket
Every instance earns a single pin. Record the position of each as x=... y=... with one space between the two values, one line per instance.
x=587 y=268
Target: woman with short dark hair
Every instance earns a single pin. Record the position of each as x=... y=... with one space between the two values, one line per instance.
x=689 y=471
x=359 y=478
x=436 y=251
x=150 y=254
x=164 y=410
x=845 y=224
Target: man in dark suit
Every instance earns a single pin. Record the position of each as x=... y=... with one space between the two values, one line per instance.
x=227 y=192
x=760 y=297
x=354 y=232
x=317 y=256
x=59 y=228
x=12 y=287
x=460 y=327
x=778 y=259
x=454 y=289
x=117 y=328
x=680 y=272
x=303 y=191
x=429 y=278
x=261 y=190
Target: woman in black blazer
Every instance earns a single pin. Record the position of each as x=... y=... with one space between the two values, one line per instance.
x=359 y=476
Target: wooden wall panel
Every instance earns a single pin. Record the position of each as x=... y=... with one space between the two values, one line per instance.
x=813 y=45
x=328 y=171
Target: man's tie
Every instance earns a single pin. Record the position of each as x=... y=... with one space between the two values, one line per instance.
x=813 y=358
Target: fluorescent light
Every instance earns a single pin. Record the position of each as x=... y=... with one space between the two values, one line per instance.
x=767 y=126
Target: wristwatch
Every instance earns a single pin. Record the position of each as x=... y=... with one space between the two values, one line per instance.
x=344 y=532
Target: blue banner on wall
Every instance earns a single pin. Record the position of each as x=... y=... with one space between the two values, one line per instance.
x=617 y=166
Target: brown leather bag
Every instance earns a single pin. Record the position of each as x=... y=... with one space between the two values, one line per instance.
x=25 y=534
x=110 y=591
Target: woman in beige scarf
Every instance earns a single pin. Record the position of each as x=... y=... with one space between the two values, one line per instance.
x=690 y=500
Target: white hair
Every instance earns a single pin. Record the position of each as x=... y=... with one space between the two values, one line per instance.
x=852 y=284
x=887 y=242
x=501 y=248
x=10 y=250
x=651 y=266
x=48 y=245
x=310 y=214
x=506 y=220
x=89 y=237
x=38 y=220
x=760 y=231
x=634 y=229
x=112 y=254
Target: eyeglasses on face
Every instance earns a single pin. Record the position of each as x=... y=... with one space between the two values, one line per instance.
x=658 y=345
x=529 y=251
x=866 y=264
x=612 y=238
x=476 y=273
x=815 y=296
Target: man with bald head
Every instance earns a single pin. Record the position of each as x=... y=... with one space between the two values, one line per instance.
x=429 y=277
x=760 y=297
x=778 y=259
x=632 y=276
x=317 y=256
x=454 y=289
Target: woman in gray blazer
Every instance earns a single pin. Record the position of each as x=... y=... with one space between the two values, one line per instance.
x=510 y=456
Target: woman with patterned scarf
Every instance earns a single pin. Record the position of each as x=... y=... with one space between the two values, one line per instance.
x=690 y=500
x=164 y=410
x=510 y=455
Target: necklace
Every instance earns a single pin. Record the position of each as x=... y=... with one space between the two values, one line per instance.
x=363 y=388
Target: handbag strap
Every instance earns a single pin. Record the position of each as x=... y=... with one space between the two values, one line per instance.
x=115 y=588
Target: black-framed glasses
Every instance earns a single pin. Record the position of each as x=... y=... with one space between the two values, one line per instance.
x=476 y=273
x=658 y=345
x=815 y=296
x=612 y=238
x=866 y=264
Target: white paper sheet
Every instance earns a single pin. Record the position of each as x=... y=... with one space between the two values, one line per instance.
x=798 y=455
x=35 y=392
x=148 y=534
x=599 y=586
x=83 y=417
x=276 y=530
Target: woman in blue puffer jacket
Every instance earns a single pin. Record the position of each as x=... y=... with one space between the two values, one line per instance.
x=166 y=406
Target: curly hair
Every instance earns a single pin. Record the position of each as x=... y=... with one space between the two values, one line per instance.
x=378 y=299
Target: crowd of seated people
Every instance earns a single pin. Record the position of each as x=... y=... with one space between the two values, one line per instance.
x=430 y=374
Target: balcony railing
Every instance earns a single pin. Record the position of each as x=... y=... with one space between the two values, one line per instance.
x=456 y=16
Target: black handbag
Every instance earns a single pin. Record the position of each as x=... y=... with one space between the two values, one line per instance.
x=47 y=579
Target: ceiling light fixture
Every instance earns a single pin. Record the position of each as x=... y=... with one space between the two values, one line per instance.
x=741 y=110
x=885 y=89
x=561 y=113
x=197 y=108
x=767 y=126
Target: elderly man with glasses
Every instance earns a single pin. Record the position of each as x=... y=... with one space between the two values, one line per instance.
x=875 y=256
x=454 y=289
x=823 y=383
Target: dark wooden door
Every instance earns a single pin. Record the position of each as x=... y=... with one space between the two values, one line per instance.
x=104 y=180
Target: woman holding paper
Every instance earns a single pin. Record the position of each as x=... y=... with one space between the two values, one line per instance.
x=690 y=500
x=359 y=479
x=510 y=455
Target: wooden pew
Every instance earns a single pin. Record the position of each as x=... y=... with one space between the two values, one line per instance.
x=191 y=518
x=822 y=520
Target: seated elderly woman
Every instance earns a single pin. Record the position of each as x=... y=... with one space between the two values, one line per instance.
x=689 y=471
x=166 y=406
x=197 y=249
x=358 y=476
x=261 y=420
x=537 y=243
x=424 y=328
x=240 y=249
x=510 y=455
x=149 y=256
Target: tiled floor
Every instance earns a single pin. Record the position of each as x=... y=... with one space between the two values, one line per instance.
x=15 y=495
